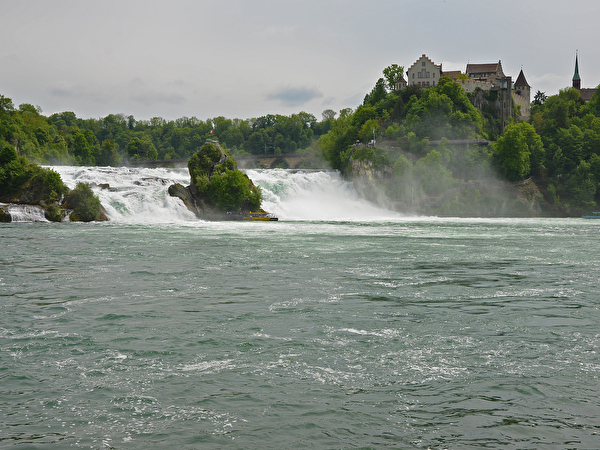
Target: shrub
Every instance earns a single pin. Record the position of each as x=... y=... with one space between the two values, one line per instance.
x=83 y=202
x=233 y=190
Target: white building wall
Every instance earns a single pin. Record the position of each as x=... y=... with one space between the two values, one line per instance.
x=423 y=73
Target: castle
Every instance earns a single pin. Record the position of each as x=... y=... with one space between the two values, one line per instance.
x=486 y=77
x=514 y=99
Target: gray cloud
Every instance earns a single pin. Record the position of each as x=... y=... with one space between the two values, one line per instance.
x=153 y=98
x=295 y=96
x=245 y=59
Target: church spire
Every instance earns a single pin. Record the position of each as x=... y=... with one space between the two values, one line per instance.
x=576 y=78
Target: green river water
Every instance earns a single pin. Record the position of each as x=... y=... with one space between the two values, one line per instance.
x=381 y=332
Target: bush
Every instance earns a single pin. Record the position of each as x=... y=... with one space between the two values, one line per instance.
x=53 y=188
x=204 y=160
x=232 y=191
x=83 y=202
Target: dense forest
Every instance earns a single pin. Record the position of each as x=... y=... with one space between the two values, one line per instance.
x=66 y=139
x=402 y=133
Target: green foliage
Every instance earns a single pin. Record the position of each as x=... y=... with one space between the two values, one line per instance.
x=342 y=135
x=432 y=173
x=539 y=98
x=141 y=149
x=392 y=74
x=203 y=162
x=369 y=130
x=7 y=154
x=214 y=174
x=108 y=154
x=53 y=187
x=26 y=182
x=393 y=131
x=593 y=106
x=570 y=161
x=64 y=138
x=233 y=191
x=377 y=94
x=83 y=202
x=442 y=111
x=14 y=173
x=513 y=153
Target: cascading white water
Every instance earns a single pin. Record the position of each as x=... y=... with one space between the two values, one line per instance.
x=133 y=195
x=139 y=195
x=26 y=213
x=313 y=195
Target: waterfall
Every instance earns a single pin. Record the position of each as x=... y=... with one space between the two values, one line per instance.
x=139 y=195
x=26 y=213
x=313 y=195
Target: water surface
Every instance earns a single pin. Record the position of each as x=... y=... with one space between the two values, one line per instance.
x=156 y=330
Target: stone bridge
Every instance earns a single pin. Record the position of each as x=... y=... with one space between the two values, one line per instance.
x=284 y=161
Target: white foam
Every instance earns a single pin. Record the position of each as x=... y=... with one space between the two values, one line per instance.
x=140 y=195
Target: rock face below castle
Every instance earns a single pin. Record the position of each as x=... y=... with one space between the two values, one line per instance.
x=472 y=198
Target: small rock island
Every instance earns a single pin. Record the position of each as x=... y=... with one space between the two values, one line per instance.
x=218 y=190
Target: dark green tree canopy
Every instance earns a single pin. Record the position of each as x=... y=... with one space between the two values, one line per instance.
x=214 y=173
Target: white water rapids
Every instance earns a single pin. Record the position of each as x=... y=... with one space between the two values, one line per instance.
x=140 y=195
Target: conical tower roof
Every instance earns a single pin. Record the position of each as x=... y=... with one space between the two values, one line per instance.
x=521 y=81
x=576 y=76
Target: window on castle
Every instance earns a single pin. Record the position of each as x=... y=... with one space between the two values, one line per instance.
x=423 y=63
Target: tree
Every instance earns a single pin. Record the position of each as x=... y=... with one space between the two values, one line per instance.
x=81 y=149
x=593 y=106
x=512 y=152
x=444 y=110
x=392 y=75
x=328 y=114
x=377 y=94
x=108 y=155
x=369 y=130
x=433 y=175
x=539 y=98
x=139 y=149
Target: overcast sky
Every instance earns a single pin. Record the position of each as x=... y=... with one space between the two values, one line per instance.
x=248 y=58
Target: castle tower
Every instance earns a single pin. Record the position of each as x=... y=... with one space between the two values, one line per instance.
x=576 y=78
x=521 y=86
x=522 y=95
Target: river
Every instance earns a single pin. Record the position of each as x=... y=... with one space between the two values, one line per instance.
x=341 y=326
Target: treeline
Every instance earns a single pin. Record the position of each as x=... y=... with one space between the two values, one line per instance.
x=66 y=139
x=559 y=149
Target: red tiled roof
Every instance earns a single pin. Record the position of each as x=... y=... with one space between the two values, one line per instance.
x=451 y=73
x=482 y=68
